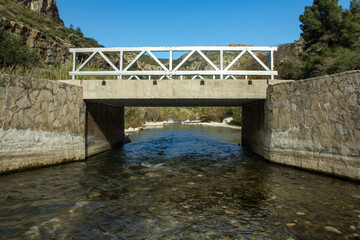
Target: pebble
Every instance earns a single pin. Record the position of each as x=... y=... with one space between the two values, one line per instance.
x=290 y=224
x=81 y=204
x=152 y=175
x=356 y=196
x=229 y=212
x=234 y=223
x=272 y=198
x=332 y=229
x=353 y=228
x=300 y=213
x=94 y=195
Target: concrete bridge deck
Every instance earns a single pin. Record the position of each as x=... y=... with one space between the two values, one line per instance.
x=213 y=92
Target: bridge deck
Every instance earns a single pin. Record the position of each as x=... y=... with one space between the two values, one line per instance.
x=173 y=92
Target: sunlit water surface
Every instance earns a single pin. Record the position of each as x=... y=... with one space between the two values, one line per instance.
x=179 y=182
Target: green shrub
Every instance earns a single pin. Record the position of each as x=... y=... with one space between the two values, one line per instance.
x=236 y=122
x=13 y=52
x=345 y=60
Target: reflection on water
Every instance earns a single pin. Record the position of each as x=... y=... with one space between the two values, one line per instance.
x=180 y=182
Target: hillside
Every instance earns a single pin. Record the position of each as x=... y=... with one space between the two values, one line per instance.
x=38 y=25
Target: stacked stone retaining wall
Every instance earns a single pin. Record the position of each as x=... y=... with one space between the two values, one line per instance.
x=312 y=124
x=42 y=122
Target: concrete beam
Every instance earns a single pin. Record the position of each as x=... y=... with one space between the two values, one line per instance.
x=174 y=92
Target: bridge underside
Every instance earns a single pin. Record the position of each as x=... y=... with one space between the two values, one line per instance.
x=174 y=102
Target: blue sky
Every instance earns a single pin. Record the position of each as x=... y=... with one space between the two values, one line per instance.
x=139 y=23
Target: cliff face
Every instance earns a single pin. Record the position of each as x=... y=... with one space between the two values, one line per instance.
x=48 y=7
x=38 y=24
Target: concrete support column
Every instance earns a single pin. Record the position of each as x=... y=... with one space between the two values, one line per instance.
x=253 y=132
x=104 y=127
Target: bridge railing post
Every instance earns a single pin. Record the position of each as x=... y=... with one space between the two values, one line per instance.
x=272 y=63
x=170 y=64
x=221 y=64
x=121 y=64
x=74 y=65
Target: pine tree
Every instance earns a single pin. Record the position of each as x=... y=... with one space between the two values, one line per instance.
x=321 y=24
x=350 y=31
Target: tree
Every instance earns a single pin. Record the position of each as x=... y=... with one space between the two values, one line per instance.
x=351 y=25
x=71 y=27
x=321 y=24
x=78 y=30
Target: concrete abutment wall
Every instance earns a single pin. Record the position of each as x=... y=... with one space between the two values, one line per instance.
x=104 y=127
x=46 y=122
x=311 y=124
x=252 y=130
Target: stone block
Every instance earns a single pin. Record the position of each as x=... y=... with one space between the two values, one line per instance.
x=14 y=91
x=45 y=95
x=320 y=116
x=2 y=92
x=333 y=87
x=349 y=89
x=352 y=100
x=341 y=129
x=357 y=125
x=10 y=103
x=2 y=105
x=23 y=102
x=24 y=83
x=337 y=93
x=61 y=96
x=56 y=124
x=33 y=95
x=28 y=122
x=42 y=118
x=17 y=120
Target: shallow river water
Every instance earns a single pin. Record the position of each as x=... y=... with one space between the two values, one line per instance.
x=180 y=182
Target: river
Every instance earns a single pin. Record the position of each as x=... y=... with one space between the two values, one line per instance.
x=179 y=182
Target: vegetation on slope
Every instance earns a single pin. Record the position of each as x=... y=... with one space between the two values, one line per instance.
x=330 y=41
x=54 y=32
x=13 y=52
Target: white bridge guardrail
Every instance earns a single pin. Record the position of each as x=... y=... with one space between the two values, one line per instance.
x=170 y=71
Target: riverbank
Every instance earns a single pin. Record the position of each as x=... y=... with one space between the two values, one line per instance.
x=161 y=124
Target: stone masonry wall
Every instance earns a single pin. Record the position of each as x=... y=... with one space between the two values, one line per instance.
x=315 y=124
x=42 y=122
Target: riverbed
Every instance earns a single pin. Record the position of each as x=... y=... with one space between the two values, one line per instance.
x=178 y=182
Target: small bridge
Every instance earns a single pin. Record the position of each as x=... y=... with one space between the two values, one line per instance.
x=225 y=79
x=219 y=66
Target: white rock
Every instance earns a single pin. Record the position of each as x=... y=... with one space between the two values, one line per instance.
x=332 y=229
x=227 y=120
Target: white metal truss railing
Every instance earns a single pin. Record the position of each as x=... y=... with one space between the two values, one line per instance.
x=222 y=71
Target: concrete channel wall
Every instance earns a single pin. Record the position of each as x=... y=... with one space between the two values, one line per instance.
x=312 y=124
x=46 y=122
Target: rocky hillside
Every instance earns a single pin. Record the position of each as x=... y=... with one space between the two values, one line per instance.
x=38 y=24
x=48 y=7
